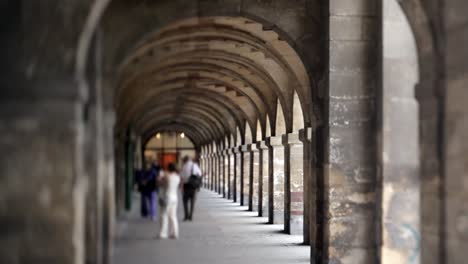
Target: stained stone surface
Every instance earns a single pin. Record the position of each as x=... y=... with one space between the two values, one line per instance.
x=222 y=232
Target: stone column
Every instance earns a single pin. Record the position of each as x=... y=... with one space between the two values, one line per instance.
x=255 y=172
x=239 y=173
x=232 y=174
x=43 y=181
x=212 y=170
x=109 y=211
x=294 y=184
x=216 y=171
x=310 y=189
x=246 y=174
x=276 y=180
x=226 y=173
x=220 y=158
x=351 y=148
x=264 y=162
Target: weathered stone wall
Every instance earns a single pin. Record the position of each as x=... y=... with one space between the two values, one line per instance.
x=294 y=184
x=455 y=131
x=351 y=171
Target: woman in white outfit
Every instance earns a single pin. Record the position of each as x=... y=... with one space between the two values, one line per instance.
x=168 y=200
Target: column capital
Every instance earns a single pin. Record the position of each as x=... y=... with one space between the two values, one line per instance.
x=262 y=145
x=291 y=139
x=236 y=149
x=305 y=134
x=252 y=147
x=244 y=148
x=274 y=141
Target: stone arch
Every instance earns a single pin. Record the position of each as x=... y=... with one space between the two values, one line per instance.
x=298 y=116
x=249 y=136
x=280 y=122
x=259 y=134
x=239 y=137
x=426 y=176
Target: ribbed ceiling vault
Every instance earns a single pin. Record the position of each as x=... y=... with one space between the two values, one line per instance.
x=211 y=77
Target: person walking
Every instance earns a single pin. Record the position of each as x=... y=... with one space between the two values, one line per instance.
x=191 y=176
x=146 y=180
x=170 y=183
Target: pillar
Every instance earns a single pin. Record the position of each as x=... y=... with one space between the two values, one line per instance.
x=351 y=145
x=226 y=173
x=109 y=211
x=294 y=184
x=310 y=190
x=276 y=180
x=43 y=190
x=264 y=162
x=212 y=170
x=255 y=172
x=239 y=173
x=246 y=173
x=232 y=174
x=216 y=171
x=220 y=159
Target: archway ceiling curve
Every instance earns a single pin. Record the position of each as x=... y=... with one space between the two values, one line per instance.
x=226 y=121
x=229 y=70
x=208 y=95
x=187 y=129
x=200 y=76
x=214 y=95
x=206 y=132
x=213 y=101
x=170 y=110
x=246 y=77
x=223 y=58
x=203 y=132
x=240 y=30
x=210 y=126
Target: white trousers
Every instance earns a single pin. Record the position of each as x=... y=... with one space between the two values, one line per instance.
x=169 y=223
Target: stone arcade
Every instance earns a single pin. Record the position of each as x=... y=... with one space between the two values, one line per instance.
x=345 y=121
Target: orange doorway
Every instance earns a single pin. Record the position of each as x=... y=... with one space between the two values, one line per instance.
x=167 y=158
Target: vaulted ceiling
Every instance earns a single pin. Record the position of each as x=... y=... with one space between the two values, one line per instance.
x=210 y=77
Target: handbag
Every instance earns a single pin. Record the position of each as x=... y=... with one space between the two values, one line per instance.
x=194 y=180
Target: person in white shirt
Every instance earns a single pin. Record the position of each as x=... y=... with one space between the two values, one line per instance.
x=170 y=183
x=190 y=171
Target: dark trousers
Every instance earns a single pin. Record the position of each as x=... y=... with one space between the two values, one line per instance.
x=148 y=206
x=189 y=199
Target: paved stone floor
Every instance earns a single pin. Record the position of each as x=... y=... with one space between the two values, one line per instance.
x=222 y=232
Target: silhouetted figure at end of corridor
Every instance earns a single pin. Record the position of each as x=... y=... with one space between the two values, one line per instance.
x=191 y=177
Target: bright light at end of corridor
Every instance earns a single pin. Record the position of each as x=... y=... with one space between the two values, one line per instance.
x=182 y=135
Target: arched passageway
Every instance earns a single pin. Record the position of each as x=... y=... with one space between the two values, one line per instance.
x=217 y=79
x=342 y=123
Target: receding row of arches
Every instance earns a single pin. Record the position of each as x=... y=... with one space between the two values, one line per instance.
x=334 y=118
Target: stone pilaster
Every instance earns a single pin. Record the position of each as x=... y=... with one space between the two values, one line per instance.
x=254 y=191
x=231 y=174
x=264 y=162
x=310 y=189
x=226 y=173
x=294 y=184
x=276 y=180
x=237 y=183
x=43 y=180
x=212 y=171
x=220 y=158
x=351 y=149
x=246 y=175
